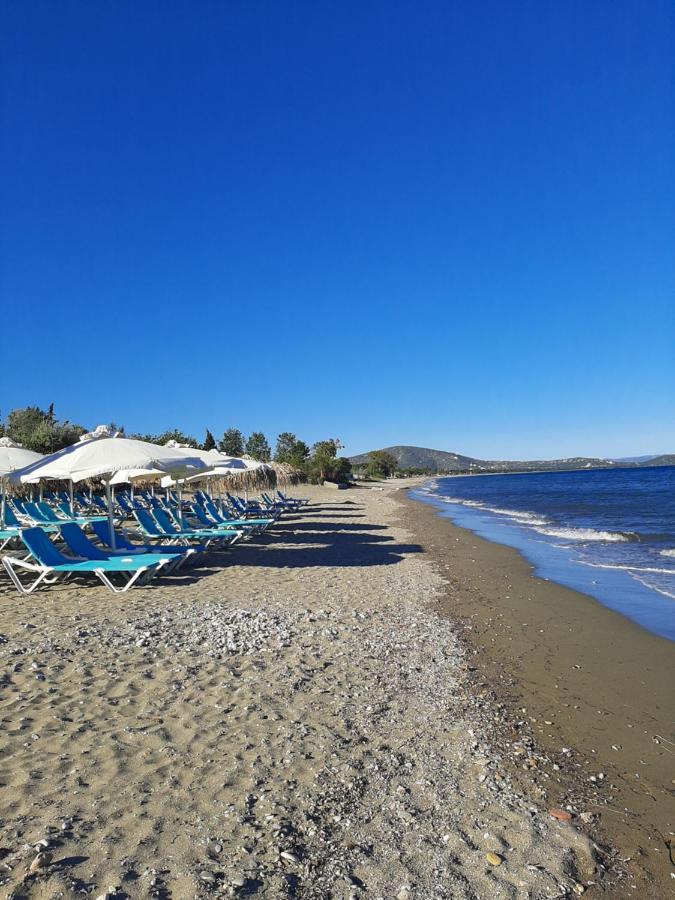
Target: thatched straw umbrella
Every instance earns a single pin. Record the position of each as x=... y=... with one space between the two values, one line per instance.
x=287 y=474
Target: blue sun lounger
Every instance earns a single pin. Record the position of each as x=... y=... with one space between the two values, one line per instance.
x=49 y=564
x=211 y=519
x=296 y=501
x=153 y=532
x=7 y=535
x=196 y=534
x=251 y=509
x=102 y=532
x=81 y=546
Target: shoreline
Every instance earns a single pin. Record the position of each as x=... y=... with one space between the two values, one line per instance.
x=581 y=676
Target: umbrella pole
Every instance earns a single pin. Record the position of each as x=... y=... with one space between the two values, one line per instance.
x=2 y=510
x=41 y=492
x=111 y=521
x=72 y=498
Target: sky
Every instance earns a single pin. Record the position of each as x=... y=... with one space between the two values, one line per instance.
x=449 y=224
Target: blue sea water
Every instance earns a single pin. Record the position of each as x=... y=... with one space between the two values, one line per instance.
x=607 y=532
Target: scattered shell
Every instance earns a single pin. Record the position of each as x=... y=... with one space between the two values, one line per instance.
x=289 y=857
x=494 y=858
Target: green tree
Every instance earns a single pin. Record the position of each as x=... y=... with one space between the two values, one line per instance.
x=178 y=436
x=257 y=447
x=209 y=441
x=40 y=431
x=174 y=435
x=324 y=463
x=290 y=450
x=232 y=443
x=381 y=464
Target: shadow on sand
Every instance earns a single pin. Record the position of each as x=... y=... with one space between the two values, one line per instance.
x=309 y=544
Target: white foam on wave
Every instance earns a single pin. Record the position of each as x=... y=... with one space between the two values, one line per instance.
x=583 y=534
x=525 y=518
x=519 y=516
x=669 y=552
x=654 y=587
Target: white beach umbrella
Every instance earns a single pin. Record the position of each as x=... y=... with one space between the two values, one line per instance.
x=103 y=458
x=129 y=476
x=12 y=457
x=218 y=466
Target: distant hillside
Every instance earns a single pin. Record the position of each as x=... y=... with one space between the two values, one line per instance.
x=666 y=459
x=422 y=458
x=443 y=461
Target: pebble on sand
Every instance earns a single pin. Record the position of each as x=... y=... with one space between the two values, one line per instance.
x=41 y=861
x=561 y=814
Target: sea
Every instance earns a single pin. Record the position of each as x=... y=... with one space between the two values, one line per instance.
x=609 y=533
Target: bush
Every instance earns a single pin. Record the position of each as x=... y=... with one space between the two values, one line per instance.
x=41 y=431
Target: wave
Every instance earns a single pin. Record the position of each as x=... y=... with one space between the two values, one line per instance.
x=669 y=552
x=520 y=516
x=587 y=534
x=543 y=526
x=526 y=518
x=655 y=587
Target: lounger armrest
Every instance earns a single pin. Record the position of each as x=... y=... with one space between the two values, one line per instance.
x=25 y=564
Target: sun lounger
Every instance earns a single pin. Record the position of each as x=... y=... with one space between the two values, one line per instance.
x=249 y=508
x=198 y=534
x=81 y=546
x=248 y=526
x=7 y=535
x=122 y=543
x=297 y=501
x=49 y=564
x=153 y=532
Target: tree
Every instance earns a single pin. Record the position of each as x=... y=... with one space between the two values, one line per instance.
x=257 y=447
x=178 y=436
x=381 y=464
x=40 y=431
x=232 y=443
x=174 y=435
x=209 y=441
x=290 y=450
x=324 y=463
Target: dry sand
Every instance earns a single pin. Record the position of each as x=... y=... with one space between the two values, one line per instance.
x=299 y=722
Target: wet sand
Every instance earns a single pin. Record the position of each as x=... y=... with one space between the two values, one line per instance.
x=295 y=719
x=594 y=689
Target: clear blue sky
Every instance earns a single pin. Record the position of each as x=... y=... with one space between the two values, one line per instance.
x=440 y=223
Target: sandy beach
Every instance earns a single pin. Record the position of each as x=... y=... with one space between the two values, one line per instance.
x=590 y=686
x=312 y=719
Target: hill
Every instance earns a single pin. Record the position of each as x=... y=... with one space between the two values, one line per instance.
x=665 y=459
x=444 y=461
x=422 y=458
